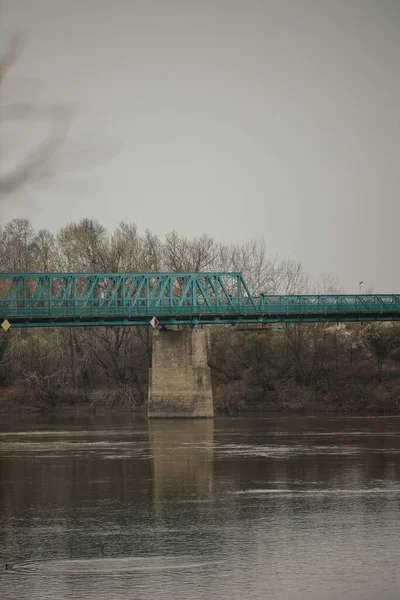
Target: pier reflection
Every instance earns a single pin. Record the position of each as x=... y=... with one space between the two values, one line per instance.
x=182 y=453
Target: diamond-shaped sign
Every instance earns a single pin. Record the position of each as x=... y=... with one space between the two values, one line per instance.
x=6 y=325
x=154 y=322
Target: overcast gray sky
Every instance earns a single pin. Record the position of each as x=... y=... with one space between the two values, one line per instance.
x=241 y=118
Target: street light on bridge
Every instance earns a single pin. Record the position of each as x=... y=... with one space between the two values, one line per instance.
x=359 y=287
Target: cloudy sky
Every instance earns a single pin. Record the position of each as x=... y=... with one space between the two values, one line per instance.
x=241 y=118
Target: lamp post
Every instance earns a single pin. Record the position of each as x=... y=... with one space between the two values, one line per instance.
x=359 y=287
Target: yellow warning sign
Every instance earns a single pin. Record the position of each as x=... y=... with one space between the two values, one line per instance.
x=6 y=325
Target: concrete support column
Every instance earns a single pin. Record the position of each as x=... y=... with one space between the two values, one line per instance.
x=180 y=381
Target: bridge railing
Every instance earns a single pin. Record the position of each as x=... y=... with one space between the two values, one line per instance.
x=257 y=305
x=137 y=296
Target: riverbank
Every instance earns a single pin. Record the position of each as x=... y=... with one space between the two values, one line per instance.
x=234 y=399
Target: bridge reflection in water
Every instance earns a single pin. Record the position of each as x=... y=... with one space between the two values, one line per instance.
x=182 y=452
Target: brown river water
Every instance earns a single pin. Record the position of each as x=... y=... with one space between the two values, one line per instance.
x=280 y=508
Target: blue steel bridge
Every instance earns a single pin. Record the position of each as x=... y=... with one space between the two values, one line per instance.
x=99 y=299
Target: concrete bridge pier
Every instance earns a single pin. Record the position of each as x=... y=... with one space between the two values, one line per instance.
x=180 y=380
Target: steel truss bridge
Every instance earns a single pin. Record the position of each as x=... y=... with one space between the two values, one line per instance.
x=88 y=299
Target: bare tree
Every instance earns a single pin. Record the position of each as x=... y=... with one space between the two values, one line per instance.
x=180 y=254
x=378 y=339
x=83 y=246
x=17 y=246
x=45 y=250
x=251 y=258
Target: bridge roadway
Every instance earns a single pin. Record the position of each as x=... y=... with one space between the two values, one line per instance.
x=99 y=299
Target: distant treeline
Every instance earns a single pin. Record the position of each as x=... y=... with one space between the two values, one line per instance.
x=305 y=367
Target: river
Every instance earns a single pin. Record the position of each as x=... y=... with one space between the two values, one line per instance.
x=280 y=508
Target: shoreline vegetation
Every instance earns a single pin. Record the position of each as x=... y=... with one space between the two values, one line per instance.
x=305 y=368
x=379 y=399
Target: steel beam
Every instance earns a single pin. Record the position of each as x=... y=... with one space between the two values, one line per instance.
x=90 y=299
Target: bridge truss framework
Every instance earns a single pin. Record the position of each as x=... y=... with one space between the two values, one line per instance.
x=99 y=299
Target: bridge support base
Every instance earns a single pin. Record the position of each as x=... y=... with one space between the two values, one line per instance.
x=180 y=381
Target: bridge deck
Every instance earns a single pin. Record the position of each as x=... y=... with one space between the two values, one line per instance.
x=83 y=299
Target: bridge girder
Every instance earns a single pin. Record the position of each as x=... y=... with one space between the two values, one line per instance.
x=90 y=299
